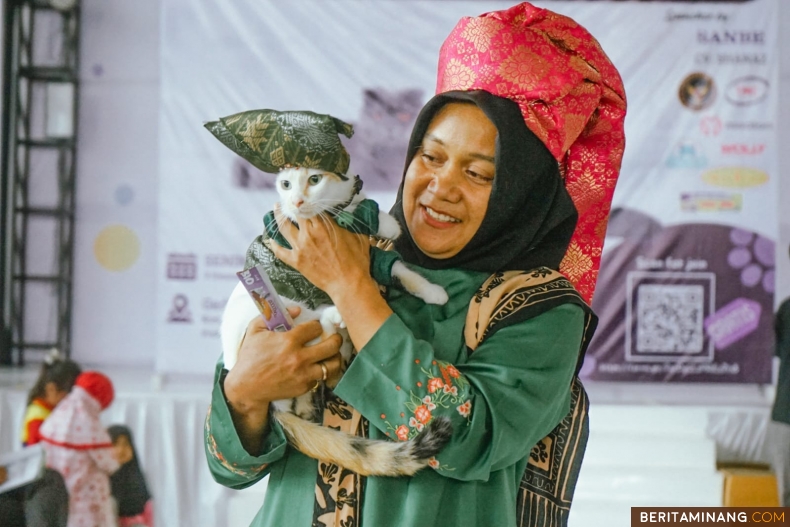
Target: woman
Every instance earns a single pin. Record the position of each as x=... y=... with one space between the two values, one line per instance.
x=482 y=194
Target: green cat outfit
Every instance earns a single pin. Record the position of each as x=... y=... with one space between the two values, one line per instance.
x=272 y=141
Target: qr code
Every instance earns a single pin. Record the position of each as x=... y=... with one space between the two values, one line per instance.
x=669 y=318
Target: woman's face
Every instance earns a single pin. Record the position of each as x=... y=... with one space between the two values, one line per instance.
x=448 y=183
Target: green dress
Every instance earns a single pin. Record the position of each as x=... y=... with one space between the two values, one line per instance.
x=502 y=399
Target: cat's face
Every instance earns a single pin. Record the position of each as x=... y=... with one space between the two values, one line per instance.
x=307 y=192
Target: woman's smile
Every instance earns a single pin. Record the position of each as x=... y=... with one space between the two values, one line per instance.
x=437 y=219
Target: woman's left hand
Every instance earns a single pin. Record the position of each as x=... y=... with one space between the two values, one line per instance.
x=330 y=257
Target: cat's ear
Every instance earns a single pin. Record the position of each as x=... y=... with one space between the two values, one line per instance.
x=343 y=127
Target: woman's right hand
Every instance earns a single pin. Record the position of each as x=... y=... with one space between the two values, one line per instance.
x=273 y=366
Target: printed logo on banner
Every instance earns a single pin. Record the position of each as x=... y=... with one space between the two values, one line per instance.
x=697 y=91
x=223 y=266
x=665 y=313
x=721 y=59
x=181 y=266
x=748 y=90
x=710 y=202
x=686 y=155
x=749 y=125
x=743 y=149
x=742 y=37
x=735 y=177
x=710 y=126
x=179 y=312
x=696 y=16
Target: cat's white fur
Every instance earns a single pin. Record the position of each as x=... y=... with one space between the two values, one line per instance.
x=306 y=193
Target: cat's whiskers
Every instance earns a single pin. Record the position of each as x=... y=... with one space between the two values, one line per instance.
x=281 y=217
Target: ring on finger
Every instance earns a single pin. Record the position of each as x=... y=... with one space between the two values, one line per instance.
x=324 y=372
x=315 y=388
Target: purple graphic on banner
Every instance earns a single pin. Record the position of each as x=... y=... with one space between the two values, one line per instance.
x=181 y=266
x=739 y=257
x=741 y=237
x=769 y=281
x=764 y=251
x=179 y=311
x=733 y=322
x=682 y=303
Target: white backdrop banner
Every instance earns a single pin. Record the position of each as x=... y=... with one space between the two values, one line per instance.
x=696 y=203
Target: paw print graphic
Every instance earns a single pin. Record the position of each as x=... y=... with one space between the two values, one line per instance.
x=754 y=256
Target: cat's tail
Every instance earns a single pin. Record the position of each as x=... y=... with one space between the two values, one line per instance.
x=367 y=457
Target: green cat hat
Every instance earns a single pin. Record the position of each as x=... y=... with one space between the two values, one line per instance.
x=273 y=140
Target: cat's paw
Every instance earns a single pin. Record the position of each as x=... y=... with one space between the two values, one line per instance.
x=389 y=227
x=434 y=294
x=332 y=320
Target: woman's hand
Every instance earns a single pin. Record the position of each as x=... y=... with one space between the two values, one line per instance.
x=273 y=366
x=336 y=261
x=330 y=257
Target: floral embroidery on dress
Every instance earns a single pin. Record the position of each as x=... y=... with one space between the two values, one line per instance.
x=446 y=389
x=434 y=464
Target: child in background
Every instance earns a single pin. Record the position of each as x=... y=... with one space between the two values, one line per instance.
x=135 y=508
x=53 y=384
x=79 y=447
x=45 y=502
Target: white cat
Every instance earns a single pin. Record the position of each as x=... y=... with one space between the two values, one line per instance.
x=307 y=193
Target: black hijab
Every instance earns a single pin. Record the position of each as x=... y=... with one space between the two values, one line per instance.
x=128 y=483
x=530 y=217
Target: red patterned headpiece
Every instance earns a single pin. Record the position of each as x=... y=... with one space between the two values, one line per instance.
x=571 y=97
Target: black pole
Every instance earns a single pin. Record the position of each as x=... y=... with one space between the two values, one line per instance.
x=9 y=80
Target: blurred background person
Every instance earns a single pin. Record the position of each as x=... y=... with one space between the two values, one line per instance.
x=129 y=489
x=78 y=446
x=780 y=414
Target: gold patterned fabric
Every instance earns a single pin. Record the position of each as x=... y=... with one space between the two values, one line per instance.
x=338 y=491
x=571 y=97
x=273 y=140
x=546 y=488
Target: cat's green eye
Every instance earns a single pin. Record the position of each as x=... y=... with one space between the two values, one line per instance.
x=314 y=179
x=285 y=184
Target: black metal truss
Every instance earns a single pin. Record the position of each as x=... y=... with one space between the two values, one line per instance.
x=37 y=291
